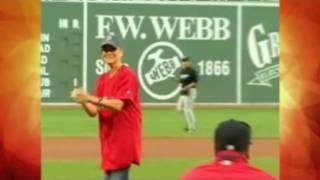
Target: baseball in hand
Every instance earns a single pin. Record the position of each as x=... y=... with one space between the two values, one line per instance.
x=79 y=95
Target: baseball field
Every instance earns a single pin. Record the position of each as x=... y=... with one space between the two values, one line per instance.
x=70 y=148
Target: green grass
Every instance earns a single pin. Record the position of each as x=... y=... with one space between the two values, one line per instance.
x=157 y=123
x=151 y=169
x=163 y=122
x=67 y=122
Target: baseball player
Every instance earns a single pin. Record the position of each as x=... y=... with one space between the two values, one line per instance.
x=117 y=103
x=188 y=80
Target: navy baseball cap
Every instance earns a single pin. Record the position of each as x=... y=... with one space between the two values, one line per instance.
x=232 y=135
x=111 y=39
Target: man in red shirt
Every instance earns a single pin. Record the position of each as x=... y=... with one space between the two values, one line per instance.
x=232 y=141
x=117 y=102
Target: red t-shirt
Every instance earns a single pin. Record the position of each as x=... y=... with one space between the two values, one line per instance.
x=229 y=165
x=120 y=132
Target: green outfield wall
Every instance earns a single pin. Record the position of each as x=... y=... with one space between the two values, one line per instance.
x=234 y=47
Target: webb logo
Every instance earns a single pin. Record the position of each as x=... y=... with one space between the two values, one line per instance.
x=162 y=69
x=157 y=64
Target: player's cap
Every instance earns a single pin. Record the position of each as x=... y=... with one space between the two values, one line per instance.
x=111 y=39
x=232 y=135
x=185 y=59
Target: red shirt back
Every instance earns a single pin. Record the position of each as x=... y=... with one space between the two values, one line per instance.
x=120 y=132
x=229 y=165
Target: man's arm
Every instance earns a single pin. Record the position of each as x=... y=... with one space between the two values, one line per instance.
x=113 y=104
x=91 y=104
x=91 y=109
x=79 y=95
x=191 y=85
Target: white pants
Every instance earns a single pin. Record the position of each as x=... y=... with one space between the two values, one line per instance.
x=185 y=104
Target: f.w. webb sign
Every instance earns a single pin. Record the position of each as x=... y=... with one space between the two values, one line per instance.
x=156 y=37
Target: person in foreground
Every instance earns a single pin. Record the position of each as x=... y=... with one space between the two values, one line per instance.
x=117 y=102
x=232 y=141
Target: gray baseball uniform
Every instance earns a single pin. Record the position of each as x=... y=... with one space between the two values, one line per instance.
x=188 y=79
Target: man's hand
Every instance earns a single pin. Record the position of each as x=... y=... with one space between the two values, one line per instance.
x=79 y=95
